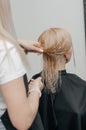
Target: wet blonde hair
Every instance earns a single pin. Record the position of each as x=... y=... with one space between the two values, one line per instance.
x=57 y=45
x=7 y=31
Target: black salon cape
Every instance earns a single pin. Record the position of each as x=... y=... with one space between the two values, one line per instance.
x=66 y=109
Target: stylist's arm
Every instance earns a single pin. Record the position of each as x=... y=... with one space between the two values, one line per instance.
x=22 y=109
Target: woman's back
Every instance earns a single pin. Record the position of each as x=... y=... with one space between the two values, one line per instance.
x=65 y=109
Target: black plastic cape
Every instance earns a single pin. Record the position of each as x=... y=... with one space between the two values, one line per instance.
x=66 y=109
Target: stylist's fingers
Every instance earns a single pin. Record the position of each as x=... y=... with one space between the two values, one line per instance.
x=31 y=81
x=36 y=48
x=31 y=46
x=37 y=83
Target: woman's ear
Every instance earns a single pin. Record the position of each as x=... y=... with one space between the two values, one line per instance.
x=68 y=55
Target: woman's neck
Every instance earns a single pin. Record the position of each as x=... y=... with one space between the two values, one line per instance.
x=62 y=67
x=62 y=64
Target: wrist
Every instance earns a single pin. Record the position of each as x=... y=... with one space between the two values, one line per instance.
x=24 y=49
x=35 y=90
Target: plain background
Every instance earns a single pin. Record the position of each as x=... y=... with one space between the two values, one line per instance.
x=32 y=17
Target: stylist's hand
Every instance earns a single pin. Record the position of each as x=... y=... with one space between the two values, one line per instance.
x=36 y=83
x=35 y=86
x=31 y=46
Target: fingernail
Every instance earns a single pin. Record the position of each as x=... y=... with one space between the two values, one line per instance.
x=41 y=50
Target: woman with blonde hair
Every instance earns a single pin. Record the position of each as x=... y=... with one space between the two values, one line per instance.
x=63 y=102
x=18 y=107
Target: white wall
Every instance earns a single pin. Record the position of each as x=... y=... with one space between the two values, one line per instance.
x=31 y=17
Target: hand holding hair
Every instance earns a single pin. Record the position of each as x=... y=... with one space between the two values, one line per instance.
x=31 y=46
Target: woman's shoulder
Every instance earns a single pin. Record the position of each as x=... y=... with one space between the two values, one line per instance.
x=76 y=78
x=11 y=65
x=5 y=43
x=8 y=51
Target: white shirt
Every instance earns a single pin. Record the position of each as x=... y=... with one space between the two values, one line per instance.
x=11 y=67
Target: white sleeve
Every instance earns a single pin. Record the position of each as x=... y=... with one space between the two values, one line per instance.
x=11 y=66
